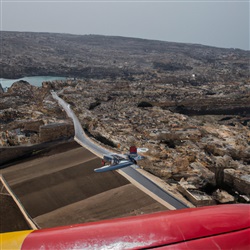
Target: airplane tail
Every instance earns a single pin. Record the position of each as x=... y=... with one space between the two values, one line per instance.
x=133 y=150
x=133 y=156
x=133 y=153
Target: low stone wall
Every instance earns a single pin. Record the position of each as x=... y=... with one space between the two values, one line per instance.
x=55 y=131
x=33 y=125
x=195 y=196
x=240 y=183
x=8 y=154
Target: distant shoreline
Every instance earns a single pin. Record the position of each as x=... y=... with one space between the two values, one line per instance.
x=33 y=80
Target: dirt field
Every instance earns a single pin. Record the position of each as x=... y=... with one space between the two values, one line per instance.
x=11 y=218
x=61 y=188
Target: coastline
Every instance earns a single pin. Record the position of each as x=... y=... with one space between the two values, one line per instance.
x=33 y=80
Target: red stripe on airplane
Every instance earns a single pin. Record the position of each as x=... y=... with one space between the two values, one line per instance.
x=225 y=226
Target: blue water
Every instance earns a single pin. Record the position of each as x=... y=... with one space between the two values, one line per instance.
x=33 y=80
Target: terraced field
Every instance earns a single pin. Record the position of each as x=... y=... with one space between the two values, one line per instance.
x=61 y=188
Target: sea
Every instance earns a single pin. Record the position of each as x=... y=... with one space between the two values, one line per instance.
x=33 y=80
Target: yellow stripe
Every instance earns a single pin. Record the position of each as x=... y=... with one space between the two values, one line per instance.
x=13 y=240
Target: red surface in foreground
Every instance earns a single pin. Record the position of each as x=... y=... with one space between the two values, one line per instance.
x=217 y=227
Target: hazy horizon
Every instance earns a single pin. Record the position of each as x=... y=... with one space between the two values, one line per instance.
x=223 y=24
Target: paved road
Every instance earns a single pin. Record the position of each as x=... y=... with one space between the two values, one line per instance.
x=80 y=135
x=130 y=172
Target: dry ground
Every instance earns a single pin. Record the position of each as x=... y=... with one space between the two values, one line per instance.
x=11 y=217
x=61 y=188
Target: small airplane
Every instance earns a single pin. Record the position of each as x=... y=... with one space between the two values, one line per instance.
x=117 y=161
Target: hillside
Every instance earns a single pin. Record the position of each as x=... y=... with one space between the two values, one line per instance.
x=93 y=56
x=188 y=103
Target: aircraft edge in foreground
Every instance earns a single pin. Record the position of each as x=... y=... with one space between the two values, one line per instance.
x=212 y=227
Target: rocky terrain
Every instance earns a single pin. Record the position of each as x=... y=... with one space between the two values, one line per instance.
x=188 y=103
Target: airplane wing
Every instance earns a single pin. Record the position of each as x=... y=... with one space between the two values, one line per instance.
x=211 y=227
x=122 y=164
x=138 y=157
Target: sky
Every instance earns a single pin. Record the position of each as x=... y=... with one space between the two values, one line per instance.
x=216 y=23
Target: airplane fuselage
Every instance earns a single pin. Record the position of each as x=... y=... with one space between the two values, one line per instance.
x=117 y=161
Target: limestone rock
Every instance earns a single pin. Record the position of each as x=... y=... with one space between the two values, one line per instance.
x=223 y=197
x=203 y=173
x=22 y=88
x=8 y=115
x=181 y=164
x=198 y=198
